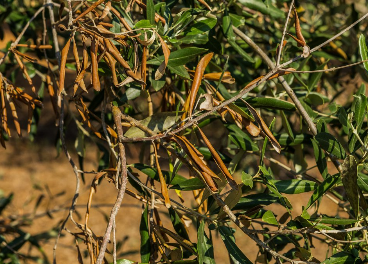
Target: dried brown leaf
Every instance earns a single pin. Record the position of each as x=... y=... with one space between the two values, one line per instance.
x=205 y=4
x=219 y=161
x=86 y=120
x=147 y=42
x=15 y=117
x=95 y=78
x=164 y=189
x=253 y=82
x=51 y=91
x=300 y=43
x=215 y=76
x=24 y=70
x=207 y=104
x=64 y=55
x=161 y=69
x=281 y=73
x=26 y=97
x=201 y=67
x=206 y=172
x=264 y=127
x=298 y=29
x=252 y=129
x=116 y=54
x=122 y=20
x=89 y=9
x=4 y=115
x=106 y=10
x=31 y=107
x=112 y=63
x=144 y=66
x=25 y=56
x=78 y=65
x=209 y=181
x=35 y=46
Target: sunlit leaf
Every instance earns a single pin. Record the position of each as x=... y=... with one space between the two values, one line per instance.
x=270 y=218
x=363 y=50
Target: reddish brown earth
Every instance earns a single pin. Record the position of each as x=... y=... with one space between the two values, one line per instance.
x=28 y=170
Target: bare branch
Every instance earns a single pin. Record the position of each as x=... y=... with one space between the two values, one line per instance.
x=117 y=119
x=283 y=34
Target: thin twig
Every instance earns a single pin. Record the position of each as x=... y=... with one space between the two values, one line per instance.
x=75 y=169
x=53 y=31
x=307 y=230
x=114 y=240
x=327 y=70
x=124 y=177
x=70 y=21
x=283 y=34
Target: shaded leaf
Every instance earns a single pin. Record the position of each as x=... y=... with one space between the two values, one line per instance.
x=315 y=77
x=201 y=27
x=178 y=224
x=286 y=124
x=231 y=200
x=204 y=246
x=145 y=249
x=152 y=173
x=236 y=255
x=241 y=139
x=252 y=200
x=320 y=159
x=330 y=144
x=323 y=188
x=349 y=176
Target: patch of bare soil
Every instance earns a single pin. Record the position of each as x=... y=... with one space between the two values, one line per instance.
x=30 y=171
